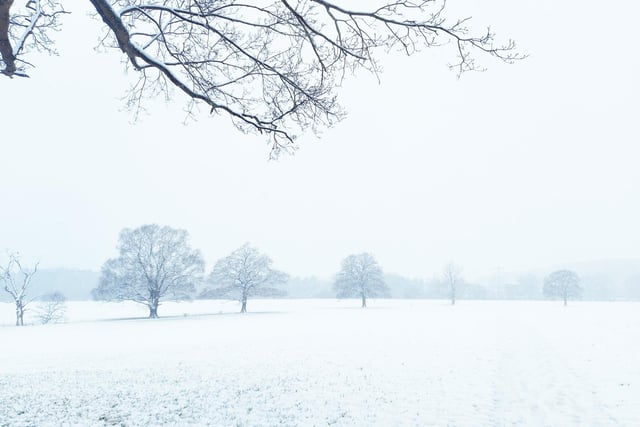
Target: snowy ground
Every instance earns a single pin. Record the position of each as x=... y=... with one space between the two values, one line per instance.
x=323 y=362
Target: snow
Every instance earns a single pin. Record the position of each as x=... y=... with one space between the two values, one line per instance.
x=325 y=362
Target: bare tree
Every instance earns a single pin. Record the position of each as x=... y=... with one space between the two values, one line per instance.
x=16 y=280
x=243 y=274
x=155 y=262
x=564 y=284
x=51 y=308
x=453 y=279
x=360 y=276
x=272 y=66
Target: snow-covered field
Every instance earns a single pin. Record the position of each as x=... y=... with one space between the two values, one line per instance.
x=325 y=362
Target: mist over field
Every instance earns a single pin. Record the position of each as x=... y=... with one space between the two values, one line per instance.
x=603 y=280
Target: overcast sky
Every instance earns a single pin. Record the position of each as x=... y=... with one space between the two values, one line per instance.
x=525 y=166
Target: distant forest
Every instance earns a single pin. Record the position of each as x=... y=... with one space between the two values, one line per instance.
x=604 y=280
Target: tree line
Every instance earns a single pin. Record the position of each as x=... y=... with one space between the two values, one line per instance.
x=157 y=263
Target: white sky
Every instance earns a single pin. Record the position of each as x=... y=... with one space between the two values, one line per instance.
x=520 y=167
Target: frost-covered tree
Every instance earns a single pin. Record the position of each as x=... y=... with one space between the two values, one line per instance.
x=361 y=277
x=453 y=279
x=16 y=280
x=244 y=274
x=51 y=308
x=154 y=263
x=562 y=284
x=272 y=66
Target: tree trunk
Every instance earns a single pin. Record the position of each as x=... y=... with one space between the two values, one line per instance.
x=19 y=313
x=565 y=300
x=453 y=297
x=244 y=306
x=364 y=301
x=6 y=50
x=153 y=310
